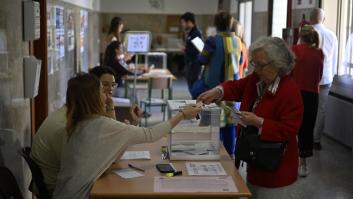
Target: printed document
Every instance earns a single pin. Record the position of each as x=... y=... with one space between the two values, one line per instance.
x=198 y=43
x=205 y=168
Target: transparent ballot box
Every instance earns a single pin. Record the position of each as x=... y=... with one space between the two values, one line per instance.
x=195 y=139
x=157 y=60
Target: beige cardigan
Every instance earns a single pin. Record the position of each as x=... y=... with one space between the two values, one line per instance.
x=92 y=148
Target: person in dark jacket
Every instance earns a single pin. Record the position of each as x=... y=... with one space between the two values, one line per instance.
x=114 y=58
x=192 y=67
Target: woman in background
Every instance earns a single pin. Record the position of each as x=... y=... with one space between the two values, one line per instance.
x=115 y=29
x=307 y=73
x=114 y=34
x=94 y=141
x=114 y=58
x=238 y=29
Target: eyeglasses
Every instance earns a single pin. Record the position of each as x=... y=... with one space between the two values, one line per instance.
x=111 y=85
x=259 y=66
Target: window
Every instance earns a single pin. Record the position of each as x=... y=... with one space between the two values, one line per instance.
x=279 y=17
x=346 y=68
x=245 y=18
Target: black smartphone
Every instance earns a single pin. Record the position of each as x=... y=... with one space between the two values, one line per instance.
x=164 y=168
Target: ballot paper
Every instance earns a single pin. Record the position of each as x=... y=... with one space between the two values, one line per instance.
x=198 y=43
x=236 y=115
x=205 y=168
x=136 y=155
x=194 y=184
x=128 y=173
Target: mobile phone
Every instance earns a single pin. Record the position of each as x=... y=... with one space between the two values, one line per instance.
x=165 y=168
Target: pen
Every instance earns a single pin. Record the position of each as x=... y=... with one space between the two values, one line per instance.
x=133 y=167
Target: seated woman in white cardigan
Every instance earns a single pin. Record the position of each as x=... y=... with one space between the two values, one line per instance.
x=95 y=141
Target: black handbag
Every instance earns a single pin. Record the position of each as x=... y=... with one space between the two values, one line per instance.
x=261 y=154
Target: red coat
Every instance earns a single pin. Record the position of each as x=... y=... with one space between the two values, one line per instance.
x=308 y=68
x=282 y=113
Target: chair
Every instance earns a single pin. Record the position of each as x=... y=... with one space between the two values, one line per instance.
x=8 y=186
x=37 y=175
x=160 y=83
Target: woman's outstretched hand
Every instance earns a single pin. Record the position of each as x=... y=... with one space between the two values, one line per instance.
x=210 y=96
x=191 y=111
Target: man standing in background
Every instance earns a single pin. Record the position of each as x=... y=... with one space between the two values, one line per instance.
x=329 y=46
x=192 y=67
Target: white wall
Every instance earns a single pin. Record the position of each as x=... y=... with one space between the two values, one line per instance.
x=168 y=6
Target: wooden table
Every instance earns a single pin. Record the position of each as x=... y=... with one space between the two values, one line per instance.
x=129 y=79
x=113 y=186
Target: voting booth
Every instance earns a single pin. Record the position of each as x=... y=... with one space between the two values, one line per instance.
x=195 y=139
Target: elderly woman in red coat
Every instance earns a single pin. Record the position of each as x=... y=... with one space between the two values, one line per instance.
x=271 y=101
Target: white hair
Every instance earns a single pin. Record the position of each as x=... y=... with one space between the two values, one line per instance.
x=277 y=52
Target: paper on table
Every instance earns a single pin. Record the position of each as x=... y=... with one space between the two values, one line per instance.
x=194 y=184
x=198 y=43
x=127 y=173
x=135 y=155
x=204 y=168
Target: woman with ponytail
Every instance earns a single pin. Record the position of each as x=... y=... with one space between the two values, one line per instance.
x=307 y=73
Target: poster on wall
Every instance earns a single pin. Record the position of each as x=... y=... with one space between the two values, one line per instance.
x=50 y=38
x=83 y=28
x=302 y=4
x=50 y=26
x=59 y=32
x=70 y=30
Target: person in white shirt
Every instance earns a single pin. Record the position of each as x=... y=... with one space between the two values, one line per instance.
x=329 y=46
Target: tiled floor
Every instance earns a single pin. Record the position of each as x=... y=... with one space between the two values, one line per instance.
x=331 y=169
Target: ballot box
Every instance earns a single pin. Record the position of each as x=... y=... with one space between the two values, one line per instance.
x=197 y=138
x=156 y=60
